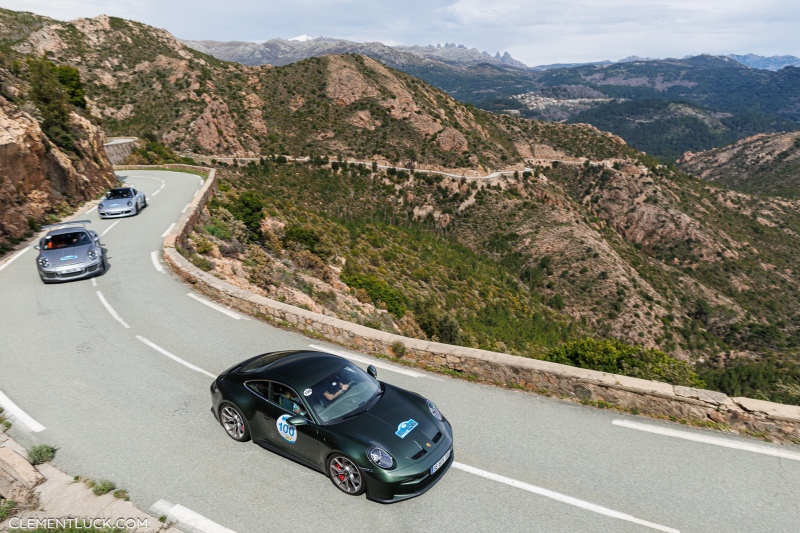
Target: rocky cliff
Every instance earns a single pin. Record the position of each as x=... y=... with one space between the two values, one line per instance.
x=38 y=180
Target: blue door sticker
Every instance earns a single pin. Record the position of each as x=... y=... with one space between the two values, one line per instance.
x=405 y=428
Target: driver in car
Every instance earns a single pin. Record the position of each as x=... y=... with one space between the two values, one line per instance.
x=334 y=389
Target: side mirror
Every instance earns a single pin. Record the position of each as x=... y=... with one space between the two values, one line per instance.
x=372 y=371
x=108 y=195
x=297 y=420
x=37 y=247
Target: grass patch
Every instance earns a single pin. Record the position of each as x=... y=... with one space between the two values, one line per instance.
x=6 y=508
x=103 y=486
x=43 y=453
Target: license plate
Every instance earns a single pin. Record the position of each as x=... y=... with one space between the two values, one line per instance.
x=72 y=270
x=441 y=461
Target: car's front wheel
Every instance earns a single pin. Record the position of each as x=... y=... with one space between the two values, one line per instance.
x=345 y=474
x=234 y=423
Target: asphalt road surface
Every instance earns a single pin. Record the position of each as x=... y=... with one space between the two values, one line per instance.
x=116 y=370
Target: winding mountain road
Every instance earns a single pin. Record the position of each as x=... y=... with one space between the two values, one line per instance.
x=114 y=372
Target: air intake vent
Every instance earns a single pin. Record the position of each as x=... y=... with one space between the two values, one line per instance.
x=419 y=454
x=437 y=438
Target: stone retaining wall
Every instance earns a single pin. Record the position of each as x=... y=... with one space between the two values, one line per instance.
x=119 y=150
x=714 y=409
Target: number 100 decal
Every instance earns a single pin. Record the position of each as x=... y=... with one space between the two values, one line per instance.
x=287 y=431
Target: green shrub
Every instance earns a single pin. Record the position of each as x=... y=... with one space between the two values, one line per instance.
x=42 y=453
x=615 y=357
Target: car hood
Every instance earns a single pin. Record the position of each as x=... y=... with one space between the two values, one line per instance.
x=397 y=423
x=67 y=256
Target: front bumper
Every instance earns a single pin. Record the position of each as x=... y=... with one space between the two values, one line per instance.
x=71 y=272
x=115 y=212
x=412 y=481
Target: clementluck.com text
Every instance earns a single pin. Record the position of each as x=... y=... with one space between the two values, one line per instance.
x=77 y=523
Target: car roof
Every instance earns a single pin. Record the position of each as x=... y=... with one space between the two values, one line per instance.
x=297 y=368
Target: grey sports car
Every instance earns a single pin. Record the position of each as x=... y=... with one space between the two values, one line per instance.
x=122 y=202
x=68 y=252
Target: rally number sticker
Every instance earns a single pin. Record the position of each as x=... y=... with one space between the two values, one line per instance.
x=287 y=431
x=405 y=428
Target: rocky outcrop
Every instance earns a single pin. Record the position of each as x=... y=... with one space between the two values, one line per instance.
x=37 y=178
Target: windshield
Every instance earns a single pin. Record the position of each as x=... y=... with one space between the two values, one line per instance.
x=66 y=240
x=117 y=194
x=343 y=393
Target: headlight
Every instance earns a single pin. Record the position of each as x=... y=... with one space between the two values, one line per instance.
x=380 y=457
x=92 y=254
x=434 y=410
x=43 y=261
x=100 y=205
x=130 y=204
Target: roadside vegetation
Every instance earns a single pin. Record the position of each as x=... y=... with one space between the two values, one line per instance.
x=422 y=278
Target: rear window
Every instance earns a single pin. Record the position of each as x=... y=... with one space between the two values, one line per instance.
x=260 y=364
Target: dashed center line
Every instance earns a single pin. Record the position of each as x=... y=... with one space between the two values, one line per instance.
x=111 y=310
x=109 y=228
x=709 y=439
x=561 y=497
x=216 y=307
x=168 y=230
x=175 y=358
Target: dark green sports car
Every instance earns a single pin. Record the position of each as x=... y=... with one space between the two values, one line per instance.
x=326 y=413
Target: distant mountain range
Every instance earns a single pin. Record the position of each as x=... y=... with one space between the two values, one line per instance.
x=279 y=52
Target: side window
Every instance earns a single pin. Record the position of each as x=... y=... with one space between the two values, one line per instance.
x=287 y=399
x=259 y=387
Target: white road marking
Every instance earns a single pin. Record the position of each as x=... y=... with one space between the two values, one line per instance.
x=186 y=518
x=370 y=361
x=156 y=262
x=109 y=228
x=111 y=310
x=13 y=411
x=216 y=307
x=561 y=497
x=709 y=439
x=90 y=210
x=168 y=230
x=94 y=282
x=175 y=358
x=185 y=208
x=14 y=257
x=158 y=191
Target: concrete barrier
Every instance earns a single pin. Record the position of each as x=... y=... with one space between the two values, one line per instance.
x=697 y=406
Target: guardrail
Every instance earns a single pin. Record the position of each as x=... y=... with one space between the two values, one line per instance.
x=697 y=406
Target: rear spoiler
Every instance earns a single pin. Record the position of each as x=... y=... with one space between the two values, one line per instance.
x=84 y=222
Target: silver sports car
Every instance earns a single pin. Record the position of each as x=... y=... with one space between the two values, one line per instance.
x=122 y=202
x=69 y=251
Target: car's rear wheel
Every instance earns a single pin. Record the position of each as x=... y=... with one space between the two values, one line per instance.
x=234 y=422
x=345 y=474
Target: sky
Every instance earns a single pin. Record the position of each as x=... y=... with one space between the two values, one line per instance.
x=536 y=32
